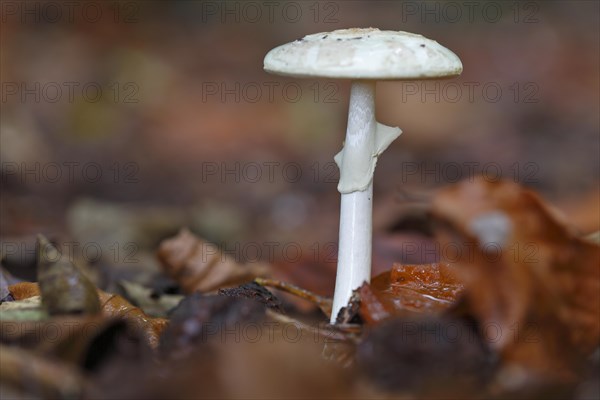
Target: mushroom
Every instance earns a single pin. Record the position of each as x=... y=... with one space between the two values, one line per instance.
x=364 y=56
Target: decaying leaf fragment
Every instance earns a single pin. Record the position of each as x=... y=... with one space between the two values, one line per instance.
x=29 y=309
x=201 y=266
x=155 y=305
x=531 y=283
x=254 y=291
x=201 y=319
x=64 y=288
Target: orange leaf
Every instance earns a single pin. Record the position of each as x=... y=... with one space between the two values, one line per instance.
x=409 y=289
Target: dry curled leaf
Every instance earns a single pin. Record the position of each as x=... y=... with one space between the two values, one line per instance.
x=532 y=284
x=201 y=266
x=111 y=305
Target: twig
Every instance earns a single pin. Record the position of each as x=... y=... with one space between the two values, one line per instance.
x=324 y=303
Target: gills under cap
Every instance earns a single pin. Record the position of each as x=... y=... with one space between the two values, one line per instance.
x=363 y=54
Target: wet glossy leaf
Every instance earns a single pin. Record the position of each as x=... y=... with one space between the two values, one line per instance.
x=406 y=290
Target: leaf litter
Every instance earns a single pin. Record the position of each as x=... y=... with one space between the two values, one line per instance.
x=512 y=312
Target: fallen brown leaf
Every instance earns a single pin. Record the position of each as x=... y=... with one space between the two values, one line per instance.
x=532 y=284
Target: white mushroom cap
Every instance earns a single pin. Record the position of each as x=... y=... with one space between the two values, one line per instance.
x=363 y=54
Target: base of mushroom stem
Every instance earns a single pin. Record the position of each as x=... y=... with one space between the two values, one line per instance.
x=354 y=252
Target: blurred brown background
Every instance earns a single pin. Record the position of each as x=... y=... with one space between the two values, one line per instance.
x=122 y=121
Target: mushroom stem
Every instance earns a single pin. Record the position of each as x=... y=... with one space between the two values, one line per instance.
x=354 y=251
